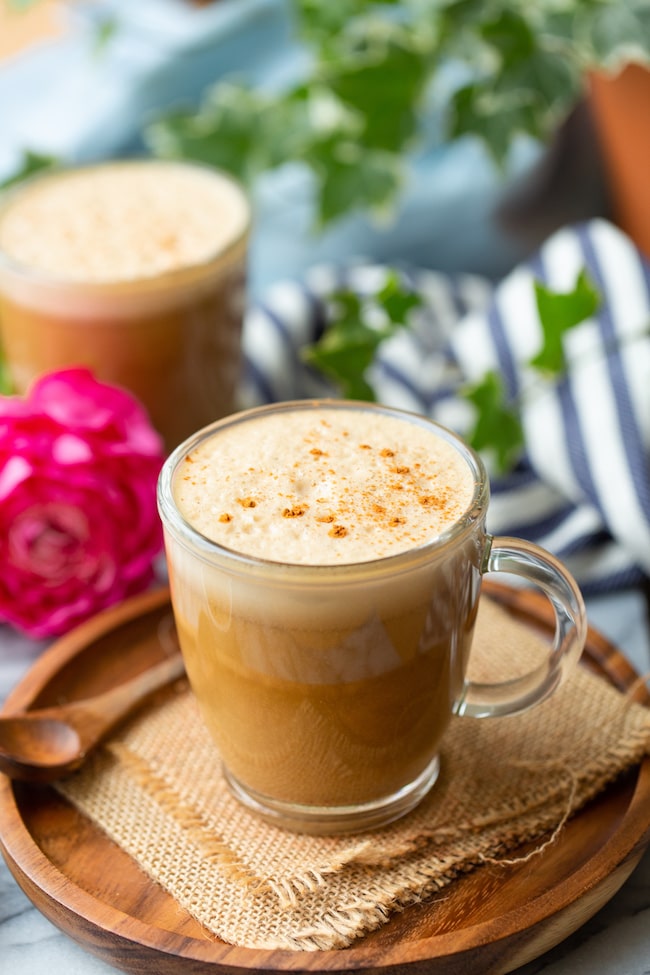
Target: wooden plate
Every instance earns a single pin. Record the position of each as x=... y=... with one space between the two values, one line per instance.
x=492 y=920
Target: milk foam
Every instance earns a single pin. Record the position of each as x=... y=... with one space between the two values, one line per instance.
x=323 y=486
x=122 y=221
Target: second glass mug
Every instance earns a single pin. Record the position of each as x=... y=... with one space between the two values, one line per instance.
x=138 y=273
x=328 y=688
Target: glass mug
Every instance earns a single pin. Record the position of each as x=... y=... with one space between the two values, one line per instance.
x=135 y=269
x=328 y=685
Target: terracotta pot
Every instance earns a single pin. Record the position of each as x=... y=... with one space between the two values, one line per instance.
x=621 y=112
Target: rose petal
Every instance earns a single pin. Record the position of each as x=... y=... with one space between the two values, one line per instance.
x=70 y=449
x=79 y=530
x=14 y=472
x=76 y=400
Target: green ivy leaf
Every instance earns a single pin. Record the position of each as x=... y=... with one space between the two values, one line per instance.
x=523 y=93
x=558 y=313
x=349 y=345
x=347 y=348
x=396 y=301
x=383 y=84
x=511 y=35
x=619 y=33
x=31 y=163
x=6 y=385
x=349 y=178
x=345 y=360
x=497 y=426
x=521 y=79
x=377 y=59
x=479 y=110
x=229 y=132
x=321 y=23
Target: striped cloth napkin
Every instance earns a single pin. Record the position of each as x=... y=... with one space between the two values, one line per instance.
x=582 y=488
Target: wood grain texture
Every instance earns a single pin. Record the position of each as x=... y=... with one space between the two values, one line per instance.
x=491 y=921
x=45 y=744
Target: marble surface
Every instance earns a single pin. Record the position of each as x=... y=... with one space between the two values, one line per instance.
x=616 y=941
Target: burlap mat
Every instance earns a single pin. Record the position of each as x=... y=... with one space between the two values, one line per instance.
x=157 y=791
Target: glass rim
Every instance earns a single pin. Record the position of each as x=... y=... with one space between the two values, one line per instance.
x=214 y=552
x=170 y=278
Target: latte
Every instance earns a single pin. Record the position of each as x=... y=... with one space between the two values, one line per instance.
x=325 y=564
x=135 y=269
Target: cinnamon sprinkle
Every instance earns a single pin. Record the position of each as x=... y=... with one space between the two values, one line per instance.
x=295 y=511
x=352 y=493
x=431 y=501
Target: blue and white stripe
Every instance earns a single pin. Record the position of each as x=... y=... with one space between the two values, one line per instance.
x=583 y=488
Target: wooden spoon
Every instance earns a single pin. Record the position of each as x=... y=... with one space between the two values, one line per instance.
x=46 y=744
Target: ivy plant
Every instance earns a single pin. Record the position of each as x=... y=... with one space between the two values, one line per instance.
x=347 y=349
x=356 y=113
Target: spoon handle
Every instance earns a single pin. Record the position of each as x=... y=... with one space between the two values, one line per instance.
x=94 y=717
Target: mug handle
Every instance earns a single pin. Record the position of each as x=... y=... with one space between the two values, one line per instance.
x=534 y=564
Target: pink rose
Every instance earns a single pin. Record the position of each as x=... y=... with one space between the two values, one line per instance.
x=79 y=529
